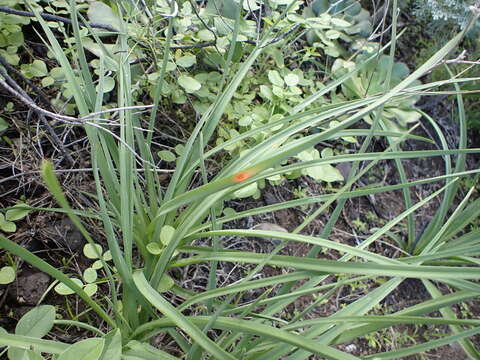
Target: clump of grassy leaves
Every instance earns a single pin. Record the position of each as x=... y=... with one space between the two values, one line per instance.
x=151 y=230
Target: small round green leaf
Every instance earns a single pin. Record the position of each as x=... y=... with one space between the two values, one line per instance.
x=278 y=91
x=229 y=212
x=97 y=265
x=275 y=78
x=107 y=256
x=332 y=34
x=57 y=73
x=108 y=85
x=186 y=61
x=189 y=84
x=7 y=226
x=166 y=234
x=245 y=120
x=154 y=249
x=206 y=35
x=266 y=92
x=291 y=79
x=179 y=149
x=47 y=81
x=92 y=251
x=90 y=289
x=7 y=275
x=166 y=155
x=246 y=191
x=63 y=289
x=90 y=275
x=38 y=68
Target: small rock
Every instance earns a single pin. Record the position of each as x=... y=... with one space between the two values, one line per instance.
x=66 y=234
x=350 y=348
x=73 y=238
x=344 y=169
x=270 y=198
x=29 y=289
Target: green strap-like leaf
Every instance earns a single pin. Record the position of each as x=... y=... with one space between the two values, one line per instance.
x=190 y=325
x=26 y=342
x=333 y=267
x=402 y=353
x=246 y=326
x=136 y=350
x=170 y=312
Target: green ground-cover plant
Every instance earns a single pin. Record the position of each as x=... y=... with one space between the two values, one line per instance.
x=192 y=74
x=11 y=34
x=340 y=29
x=151 y=230
x=436 y=21
x=445 y=11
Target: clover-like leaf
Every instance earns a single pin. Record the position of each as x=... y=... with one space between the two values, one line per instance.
x=166 y=234
x=266 y=92
x=47 y=81
x=38 y=68
x=291 y=79
x=179 y=149
x=154 y=249
x=63 y=289
x=186 y=61
x=108 y=85
x=275 y=78
x=6 y=225
x=107 y=256
x=166 y=155
x=97 y=265
x=57 y=73
x=189 y=84
x=332 y=34
x=7 y=275
x=319 y=172
x=229 y=212
x=90 y=275
x=245 y=120
x=92 y=251
x=90 y=289
x=100 y=13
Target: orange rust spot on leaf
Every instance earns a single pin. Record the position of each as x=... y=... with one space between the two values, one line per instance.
x=243 y=175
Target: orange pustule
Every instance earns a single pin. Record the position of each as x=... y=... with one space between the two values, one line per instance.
x=243 y=175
